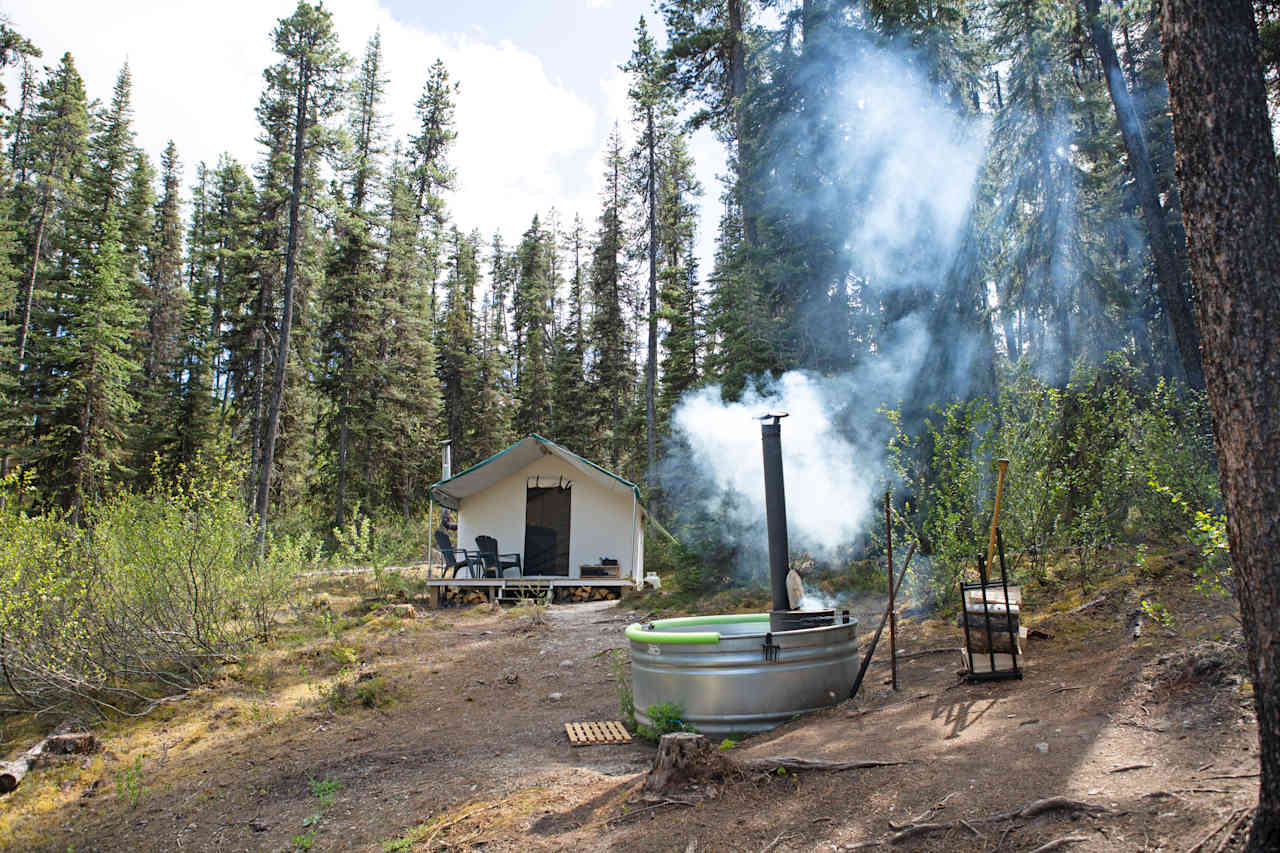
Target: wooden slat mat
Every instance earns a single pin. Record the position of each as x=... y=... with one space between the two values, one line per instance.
x=589 y=734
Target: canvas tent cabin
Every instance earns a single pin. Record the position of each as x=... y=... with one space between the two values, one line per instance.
x=569 y=519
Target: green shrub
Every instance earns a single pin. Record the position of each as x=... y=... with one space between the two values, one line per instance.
x=364 y=692
x=1083 y=461
x=157 y=590
x=663 y=720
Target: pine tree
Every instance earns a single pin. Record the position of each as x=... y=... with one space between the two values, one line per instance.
x=429 y=147
x=651 y=116
x=85 y=437
x=224 y=251
x=681 y=306
x=310 y=74
x=532 y=321
x=408 y=389
x=456 y=349
x=56 y=153
x=611 y=366
x=164 y=269
x=568 y=364
x=349 y=349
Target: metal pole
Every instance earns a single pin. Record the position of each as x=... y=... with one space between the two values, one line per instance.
x=893 y=613
x=775 y=503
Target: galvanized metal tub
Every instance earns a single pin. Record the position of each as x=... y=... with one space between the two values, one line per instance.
x=720 y=673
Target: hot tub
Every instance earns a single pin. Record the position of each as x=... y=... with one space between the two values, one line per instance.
x=729 y=673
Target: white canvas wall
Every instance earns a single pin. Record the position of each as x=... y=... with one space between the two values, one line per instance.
x=600 y=517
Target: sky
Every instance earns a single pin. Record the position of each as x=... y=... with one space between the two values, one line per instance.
x=539 y=83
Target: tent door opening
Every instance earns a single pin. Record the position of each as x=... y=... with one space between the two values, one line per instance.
x=546 y=528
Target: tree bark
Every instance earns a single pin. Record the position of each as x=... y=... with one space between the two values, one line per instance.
x=1164 y=251
x=24 y=325
x=1230 y=194
x=737 y=91
x=286 y=311
x=651 y=369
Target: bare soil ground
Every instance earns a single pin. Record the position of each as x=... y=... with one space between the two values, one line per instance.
x=464 y=747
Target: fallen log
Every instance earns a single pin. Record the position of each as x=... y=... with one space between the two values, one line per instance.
x=13 y=772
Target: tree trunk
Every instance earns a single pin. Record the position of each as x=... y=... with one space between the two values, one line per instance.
x=286 y=311
x=340 y=513
x=1164 y=252
x=651 y=370
x=1230 y=193
x=24 y=324
x=737 y=89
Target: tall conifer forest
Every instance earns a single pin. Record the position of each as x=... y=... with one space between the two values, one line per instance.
x=319 y=318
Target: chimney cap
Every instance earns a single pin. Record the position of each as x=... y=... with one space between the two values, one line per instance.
x=775 y=416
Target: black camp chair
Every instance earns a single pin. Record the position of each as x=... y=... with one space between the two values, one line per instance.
x=457 y=558
x=495 y=564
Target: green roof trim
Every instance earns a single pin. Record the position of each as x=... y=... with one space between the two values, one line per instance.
x=544 y=441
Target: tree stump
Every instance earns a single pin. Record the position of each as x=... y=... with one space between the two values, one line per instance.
x=685 y=760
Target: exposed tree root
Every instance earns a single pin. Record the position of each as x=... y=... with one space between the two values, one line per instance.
x=787 y=762
x=1059 y=843
x=1030 y=810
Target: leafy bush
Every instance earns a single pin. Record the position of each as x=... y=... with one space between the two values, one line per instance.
x=365 y=692
x=663 y=720
x=1083 y=460
x=142 y=603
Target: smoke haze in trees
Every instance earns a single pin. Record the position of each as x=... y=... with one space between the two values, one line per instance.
x=911 y=164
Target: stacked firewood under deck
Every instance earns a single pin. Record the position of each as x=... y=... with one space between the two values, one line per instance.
x=464 y=591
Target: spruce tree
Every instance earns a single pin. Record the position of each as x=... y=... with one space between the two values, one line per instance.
x=408 y=388
x=456 y=349
x=612 y=377
x=681 y=305
x=651 y=116
x=310 y=75
x=164 y=269
x=532 y=321
x=569 y=425
x=56 y=154
x=349 y=340
x=84 y=438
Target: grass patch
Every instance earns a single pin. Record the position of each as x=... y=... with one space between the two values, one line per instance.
x=364 y=691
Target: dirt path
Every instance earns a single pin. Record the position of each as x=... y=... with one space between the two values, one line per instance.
x=471 y=754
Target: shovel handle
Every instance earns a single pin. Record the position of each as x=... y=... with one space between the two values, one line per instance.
x=1003 y=465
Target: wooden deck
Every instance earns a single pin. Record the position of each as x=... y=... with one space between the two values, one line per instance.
x=522 y=587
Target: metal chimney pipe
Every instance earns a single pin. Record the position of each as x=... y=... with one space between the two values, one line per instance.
x=446 y=462
x=775 y=504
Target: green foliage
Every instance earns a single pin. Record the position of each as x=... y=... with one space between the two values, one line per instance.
x=1207 y=530
x=162 y=587
x=363 y=692
x=324 y=790
x=1087 y=464
x=664 y=719
x=129 y=783
x=621 y=672
x=1157 y=612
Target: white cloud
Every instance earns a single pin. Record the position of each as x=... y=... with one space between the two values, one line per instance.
x=198 y=74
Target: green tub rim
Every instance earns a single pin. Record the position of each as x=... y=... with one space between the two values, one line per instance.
x=636 y=631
